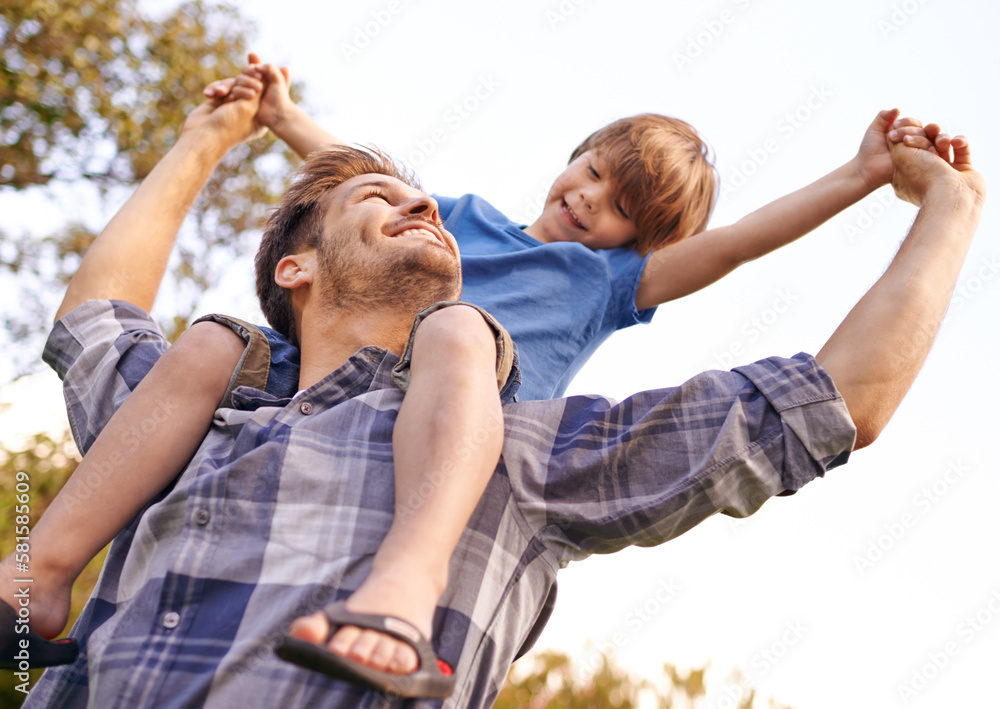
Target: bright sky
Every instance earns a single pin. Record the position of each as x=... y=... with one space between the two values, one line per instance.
x=874 y=587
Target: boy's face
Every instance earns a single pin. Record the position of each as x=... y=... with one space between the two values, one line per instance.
x=582 y=206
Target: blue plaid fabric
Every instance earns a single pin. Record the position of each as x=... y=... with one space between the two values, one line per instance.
x=285 y=503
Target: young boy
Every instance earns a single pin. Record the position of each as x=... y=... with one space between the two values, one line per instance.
x=592 y=263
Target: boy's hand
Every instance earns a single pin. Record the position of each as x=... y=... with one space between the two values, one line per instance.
x=946 y=167
x=874 y=162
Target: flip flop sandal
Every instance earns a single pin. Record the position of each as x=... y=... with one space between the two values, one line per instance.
x=41 y=652
x=431 y=680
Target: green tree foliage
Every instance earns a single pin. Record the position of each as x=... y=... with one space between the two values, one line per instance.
x=551 y=681
x=92 y=94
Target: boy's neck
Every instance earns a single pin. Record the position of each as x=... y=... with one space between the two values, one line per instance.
x=535 y=231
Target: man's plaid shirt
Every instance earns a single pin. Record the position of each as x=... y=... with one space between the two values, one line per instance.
x=285 y=503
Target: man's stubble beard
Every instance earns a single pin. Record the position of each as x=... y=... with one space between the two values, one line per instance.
x=360 y=278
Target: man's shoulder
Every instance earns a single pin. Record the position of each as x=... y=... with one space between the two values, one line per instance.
x=101 y=350
x=90 y=324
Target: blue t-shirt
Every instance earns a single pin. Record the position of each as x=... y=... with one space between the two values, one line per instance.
x=558 y=301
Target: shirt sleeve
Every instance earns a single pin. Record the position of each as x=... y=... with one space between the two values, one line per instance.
x=101 y=351
x=626 y=267
x=594 y=476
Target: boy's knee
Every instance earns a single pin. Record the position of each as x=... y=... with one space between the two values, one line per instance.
x=457 y=330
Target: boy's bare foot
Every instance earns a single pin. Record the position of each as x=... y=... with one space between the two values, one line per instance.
x=410 y=596
x=49 y=598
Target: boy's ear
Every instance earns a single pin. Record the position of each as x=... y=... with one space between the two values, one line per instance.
x=296 y=270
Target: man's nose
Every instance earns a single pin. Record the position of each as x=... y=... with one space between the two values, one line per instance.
x=424 y=206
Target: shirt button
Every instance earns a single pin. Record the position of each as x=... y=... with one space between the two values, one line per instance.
x=171 y=620
x=202 y=516
x=306 y=408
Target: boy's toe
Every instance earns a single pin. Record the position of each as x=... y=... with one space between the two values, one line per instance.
x=311 y=628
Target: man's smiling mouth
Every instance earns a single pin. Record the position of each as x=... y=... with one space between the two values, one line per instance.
x=415 y=232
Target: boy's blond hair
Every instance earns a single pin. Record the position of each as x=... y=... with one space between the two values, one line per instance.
x=663 y=175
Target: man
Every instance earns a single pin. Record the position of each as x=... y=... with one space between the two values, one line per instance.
x=281 y=509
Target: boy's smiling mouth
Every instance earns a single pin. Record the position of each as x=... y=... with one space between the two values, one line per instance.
x=570 y=215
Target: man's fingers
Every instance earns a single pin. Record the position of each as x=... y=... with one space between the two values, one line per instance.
x=942 y=144
x=963 y=154
x=219 y=88
x=241 y=92
x=249 y=82
x=907 y=121
x=896 y=135
x=239 y=87
x=918 y=141
x=271 y=74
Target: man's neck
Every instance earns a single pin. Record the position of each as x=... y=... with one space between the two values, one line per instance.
x=327 y=341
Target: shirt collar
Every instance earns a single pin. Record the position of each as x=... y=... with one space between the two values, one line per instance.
x=368 y=369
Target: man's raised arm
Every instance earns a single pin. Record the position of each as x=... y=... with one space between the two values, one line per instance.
x=876 y=353
x=128 y=259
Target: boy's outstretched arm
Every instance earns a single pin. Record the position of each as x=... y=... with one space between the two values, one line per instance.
x=128 y=259
x=277 y=110
x=700 y=260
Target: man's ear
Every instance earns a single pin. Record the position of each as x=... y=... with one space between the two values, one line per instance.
x=296 y=270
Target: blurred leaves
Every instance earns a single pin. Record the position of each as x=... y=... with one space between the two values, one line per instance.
x=92 y=94
x=548 y=680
